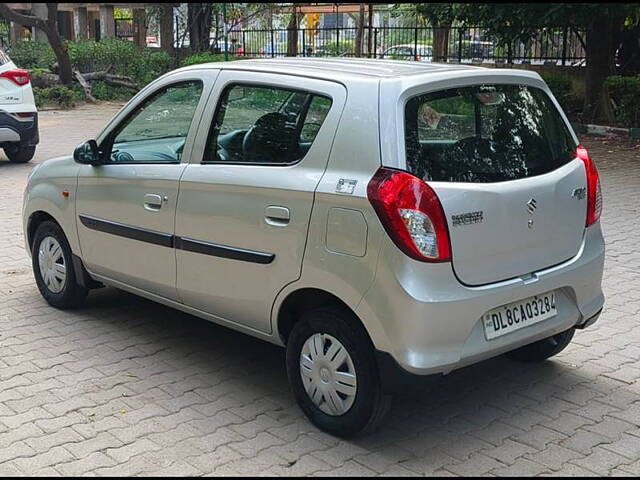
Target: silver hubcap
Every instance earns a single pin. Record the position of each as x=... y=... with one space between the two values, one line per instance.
x=328 y=374
x=52 y=267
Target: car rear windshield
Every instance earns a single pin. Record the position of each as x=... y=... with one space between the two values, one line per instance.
x=485 y=133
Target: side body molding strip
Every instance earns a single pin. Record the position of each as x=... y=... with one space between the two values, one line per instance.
x=122 y=230
x=180 y=243
x=196 y=246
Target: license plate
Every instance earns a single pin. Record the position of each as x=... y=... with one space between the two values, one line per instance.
x=514 y=316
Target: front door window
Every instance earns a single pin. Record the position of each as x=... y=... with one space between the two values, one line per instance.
x=157 y=130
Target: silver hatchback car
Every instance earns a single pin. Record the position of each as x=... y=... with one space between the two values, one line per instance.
x=374 y=217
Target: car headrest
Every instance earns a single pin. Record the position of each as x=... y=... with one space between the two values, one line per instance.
x=272 y=139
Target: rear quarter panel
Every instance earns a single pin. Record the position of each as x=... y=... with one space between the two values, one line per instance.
x=355 y=156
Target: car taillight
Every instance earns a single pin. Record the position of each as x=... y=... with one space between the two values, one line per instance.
x=412 y=215
x=18 y=76
x=594 y=192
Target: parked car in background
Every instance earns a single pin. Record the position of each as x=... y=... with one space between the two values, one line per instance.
x=18 y=112
x=477 y=49
x=376 y=218
x=423 y=53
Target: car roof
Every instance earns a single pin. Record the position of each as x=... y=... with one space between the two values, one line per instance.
x=335 y=68
x=345 y=70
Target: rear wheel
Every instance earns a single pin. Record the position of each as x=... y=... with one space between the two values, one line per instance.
x=334 y=375
x=18 y=154
x=543 y=349
x=53 y=268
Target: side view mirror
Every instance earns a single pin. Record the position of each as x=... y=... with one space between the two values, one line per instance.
x=87 y=153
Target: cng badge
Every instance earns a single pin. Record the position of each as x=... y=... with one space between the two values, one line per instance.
x=579 y=193
x=346 y=185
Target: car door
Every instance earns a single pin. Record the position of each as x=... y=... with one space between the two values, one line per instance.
x=244 y=208
x=126 y=206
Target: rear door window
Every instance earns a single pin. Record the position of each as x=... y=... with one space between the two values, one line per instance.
x=485 y=133
x=265 y=125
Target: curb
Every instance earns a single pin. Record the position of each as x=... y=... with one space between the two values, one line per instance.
x=603 y=130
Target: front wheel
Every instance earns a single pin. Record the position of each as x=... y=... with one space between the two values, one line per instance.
x=543 y=349
x=18 y=154
x=53 y=268
x=334 y=375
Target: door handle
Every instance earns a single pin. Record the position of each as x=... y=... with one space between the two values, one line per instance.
x=277 y=216
x=152 y=202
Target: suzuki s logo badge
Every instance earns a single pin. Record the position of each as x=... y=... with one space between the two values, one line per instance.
x=531 y=206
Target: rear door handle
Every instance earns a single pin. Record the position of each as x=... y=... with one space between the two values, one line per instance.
x=277 y=216
x=152 y=202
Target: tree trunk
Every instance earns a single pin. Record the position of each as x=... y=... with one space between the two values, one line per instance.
x=441 y=43
x=292 y=34
x=45 y=80
x=199 y=18
x=166 y=29
x=599 y=52
x=630 y=51
x=360 y=31
x=62 y=56
x=49 y=26
x=139 y=27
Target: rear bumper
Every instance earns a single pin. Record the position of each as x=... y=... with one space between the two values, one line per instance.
x=16 y=130
x=396 y=379
x=429 y=323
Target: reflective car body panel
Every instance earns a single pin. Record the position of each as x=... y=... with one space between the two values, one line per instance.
x=232 y=241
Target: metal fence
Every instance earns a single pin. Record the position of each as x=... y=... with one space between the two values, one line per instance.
x=124 y=27
x=551 y=46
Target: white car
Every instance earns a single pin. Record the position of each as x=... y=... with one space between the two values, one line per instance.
x=18 y=112
x=376 y=218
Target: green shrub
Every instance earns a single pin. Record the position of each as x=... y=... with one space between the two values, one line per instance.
x=141 y=64
x=106 y=92
x=57 y=95
x=29 y=54
x=198 y=58
x=344 y=47
x=37 y=72
x=78 y=93
x=625 y=92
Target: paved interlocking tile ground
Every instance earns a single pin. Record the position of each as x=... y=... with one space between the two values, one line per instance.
x=126 y=386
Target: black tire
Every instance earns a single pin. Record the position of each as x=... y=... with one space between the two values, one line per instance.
x=543 y=349
x=370 y=404
x=72 y=294
x=18 y=154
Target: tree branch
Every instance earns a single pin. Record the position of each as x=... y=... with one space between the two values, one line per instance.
x=22 y=19
x=245 y=18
